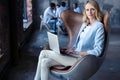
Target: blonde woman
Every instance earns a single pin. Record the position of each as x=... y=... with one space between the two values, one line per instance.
x=90 y=41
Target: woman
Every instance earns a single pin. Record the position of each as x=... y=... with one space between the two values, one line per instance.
x=90 y=41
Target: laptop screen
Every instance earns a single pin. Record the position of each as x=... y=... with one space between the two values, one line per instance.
x=53 y=42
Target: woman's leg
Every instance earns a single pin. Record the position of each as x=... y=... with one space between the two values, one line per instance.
x=38 y=71
x=61 y=59
x=57 y=60
x=46 y=63
x=43 y=59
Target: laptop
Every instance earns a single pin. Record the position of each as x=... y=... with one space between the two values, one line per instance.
x=53 y=42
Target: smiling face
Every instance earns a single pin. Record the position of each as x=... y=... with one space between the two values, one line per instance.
x=90 y=11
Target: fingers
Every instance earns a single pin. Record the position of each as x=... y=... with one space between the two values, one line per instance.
x=68 y=51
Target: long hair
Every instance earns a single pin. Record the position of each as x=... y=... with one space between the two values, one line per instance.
x=98 y=14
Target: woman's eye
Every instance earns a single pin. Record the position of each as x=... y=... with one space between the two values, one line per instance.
x=92 y=9
x=87 y=9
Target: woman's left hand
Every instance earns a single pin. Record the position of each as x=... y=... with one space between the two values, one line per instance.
x=69 y=51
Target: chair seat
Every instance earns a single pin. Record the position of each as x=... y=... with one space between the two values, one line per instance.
x=43 y=24
x=59 y=68
x=81 y=70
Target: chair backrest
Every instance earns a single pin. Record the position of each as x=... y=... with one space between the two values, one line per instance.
x=105 y=22
x=73 y=22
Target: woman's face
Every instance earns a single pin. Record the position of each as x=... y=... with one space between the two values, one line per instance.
x=90 y=11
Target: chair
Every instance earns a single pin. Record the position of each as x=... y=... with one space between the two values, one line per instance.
x=72 y=22
x=88 y=66
x=43 y=23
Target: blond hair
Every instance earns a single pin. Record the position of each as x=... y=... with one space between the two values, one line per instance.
x=98 y=15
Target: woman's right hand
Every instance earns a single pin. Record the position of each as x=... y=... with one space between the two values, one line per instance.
x=69 y=51
x=62 y=50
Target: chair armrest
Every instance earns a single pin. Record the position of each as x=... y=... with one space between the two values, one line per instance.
x=60 y=67
x=84 y=68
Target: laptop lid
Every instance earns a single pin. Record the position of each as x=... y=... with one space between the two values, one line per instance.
x=53 y=42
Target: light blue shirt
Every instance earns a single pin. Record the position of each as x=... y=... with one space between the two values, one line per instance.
x=59 y=10
x=48 y=14
x=58 y=13
x=93 y=41
x=77 y=10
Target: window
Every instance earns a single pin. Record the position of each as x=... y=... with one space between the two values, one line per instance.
x=27 y=14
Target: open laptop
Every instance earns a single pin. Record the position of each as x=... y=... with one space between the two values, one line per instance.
x=53 y=42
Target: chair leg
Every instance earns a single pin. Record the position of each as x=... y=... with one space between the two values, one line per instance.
x=47 y=26
x=41 y=25
x=58 y=29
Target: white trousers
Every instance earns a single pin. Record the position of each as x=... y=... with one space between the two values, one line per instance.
x=48 y=58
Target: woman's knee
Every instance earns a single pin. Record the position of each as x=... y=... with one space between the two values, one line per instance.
x=45 y=62
x=42 y=54
x=43 y=51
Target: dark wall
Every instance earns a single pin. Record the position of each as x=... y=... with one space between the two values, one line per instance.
x=4 y=35
x=12 y=34
x=18 y=35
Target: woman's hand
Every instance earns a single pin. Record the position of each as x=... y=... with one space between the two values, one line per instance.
x=62 y=50
x=69 y=51
x=66 y=51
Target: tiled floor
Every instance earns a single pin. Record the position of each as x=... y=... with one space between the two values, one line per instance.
x=110 y=70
